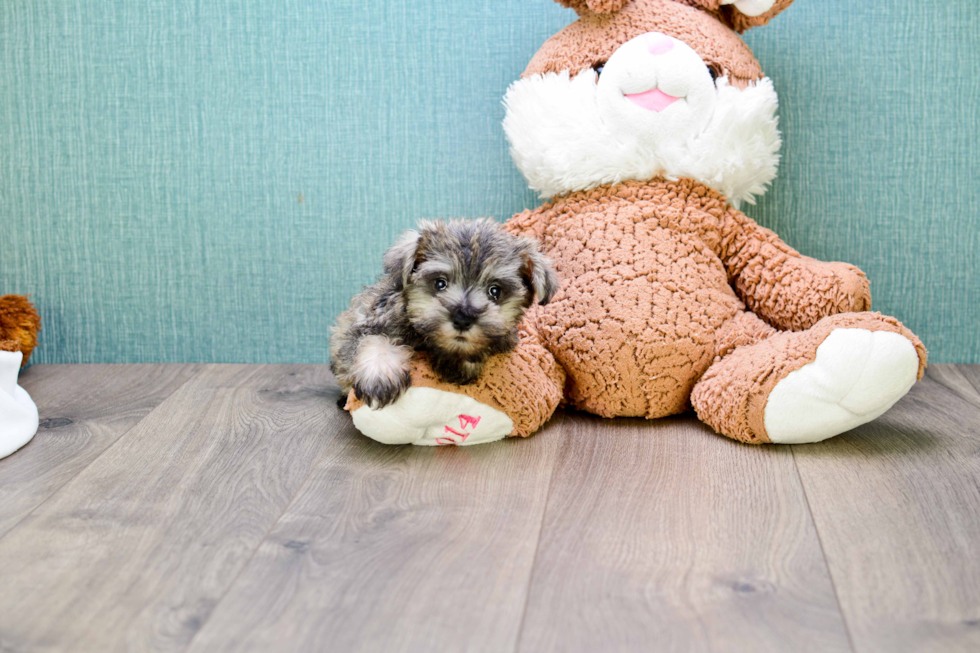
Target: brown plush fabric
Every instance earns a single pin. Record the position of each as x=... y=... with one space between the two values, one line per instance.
x=743 y=329
x=20 y=323
x=594 y=6
x=593 y=38
x=731 y=397
x=713 y=6
x=647 y=301
x=792 y=292
x=526 y=383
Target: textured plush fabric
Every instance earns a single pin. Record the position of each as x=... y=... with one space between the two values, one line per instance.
x=648 y=297
x=561 y=128
x=596 y=6
x=665 y=284
x=153 y=155
x=18 y=414
x=526 y=384
x=19 y=325
x=731 y=396
x=592 y=39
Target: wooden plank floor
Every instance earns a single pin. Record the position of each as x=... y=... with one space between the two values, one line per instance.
x=234 y=508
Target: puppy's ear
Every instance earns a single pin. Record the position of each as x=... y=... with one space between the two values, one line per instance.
x=537 y=272
x=583 y=7
x=400 y=260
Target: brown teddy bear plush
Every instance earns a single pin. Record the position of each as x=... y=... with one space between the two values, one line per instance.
x=19 y=324
x=647 y=123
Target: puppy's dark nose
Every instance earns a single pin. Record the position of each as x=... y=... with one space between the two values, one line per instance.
x=463 y=321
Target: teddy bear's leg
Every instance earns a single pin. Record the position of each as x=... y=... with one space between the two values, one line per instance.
x=807 y=386
x=18 y=414
x=515 y=395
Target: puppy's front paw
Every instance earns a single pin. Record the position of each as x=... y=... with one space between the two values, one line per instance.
x=379 y=392
x=381 y=371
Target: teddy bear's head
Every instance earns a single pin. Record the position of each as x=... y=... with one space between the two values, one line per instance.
x=19 y=324
x=639 y=88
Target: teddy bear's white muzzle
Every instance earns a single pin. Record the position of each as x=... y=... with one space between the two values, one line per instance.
x=655 y=89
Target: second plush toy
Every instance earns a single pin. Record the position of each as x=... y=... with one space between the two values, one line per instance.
x=19 y=324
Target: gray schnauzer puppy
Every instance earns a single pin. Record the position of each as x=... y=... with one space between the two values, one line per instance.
x=456 y=290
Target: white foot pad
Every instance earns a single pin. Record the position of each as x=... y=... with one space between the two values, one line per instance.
x=857 y=376
x=431 y=417
x=18 y=414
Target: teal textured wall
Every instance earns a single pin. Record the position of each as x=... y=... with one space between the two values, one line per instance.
x=191 y=180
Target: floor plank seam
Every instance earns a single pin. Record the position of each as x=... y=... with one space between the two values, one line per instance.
x=251 y=555
x=102 y=453
x=537 y=545
x=823 y=553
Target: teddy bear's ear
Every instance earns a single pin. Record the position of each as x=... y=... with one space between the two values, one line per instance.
x=744 y=14
x=582 y=7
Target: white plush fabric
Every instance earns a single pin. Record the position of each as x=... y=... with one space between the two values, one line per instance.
x=18 y=414
x=856 y=376
x=751 y=7
x=430 y=417
x=568 y=134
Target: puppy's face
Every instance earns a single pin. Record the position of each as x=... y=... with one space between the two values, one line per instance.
x=469 y=284
x=463 y=310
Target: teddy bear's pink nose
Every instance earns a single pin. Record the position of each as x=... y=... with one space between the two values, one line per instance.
x=658 y=43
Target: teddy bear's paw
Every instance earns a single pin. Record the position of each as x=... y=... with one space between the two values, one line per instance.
x=431 y=417
x=856 y=376
x=18 y=414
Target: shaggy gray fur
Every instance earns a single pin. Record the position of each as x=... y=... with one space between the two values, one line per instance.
x=456 y=290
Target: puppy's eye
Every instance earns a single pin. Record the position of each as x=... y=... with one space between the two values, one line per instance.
x=441 y=284
x=598 y=68
x=714 y=70
x=494 y=292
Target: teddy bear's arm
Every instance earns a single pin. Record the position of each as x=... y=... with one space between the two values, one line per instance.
x=788 y=290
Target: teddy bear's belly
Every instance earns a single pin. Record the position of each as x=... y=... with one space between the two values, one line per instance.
x=636 y=320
